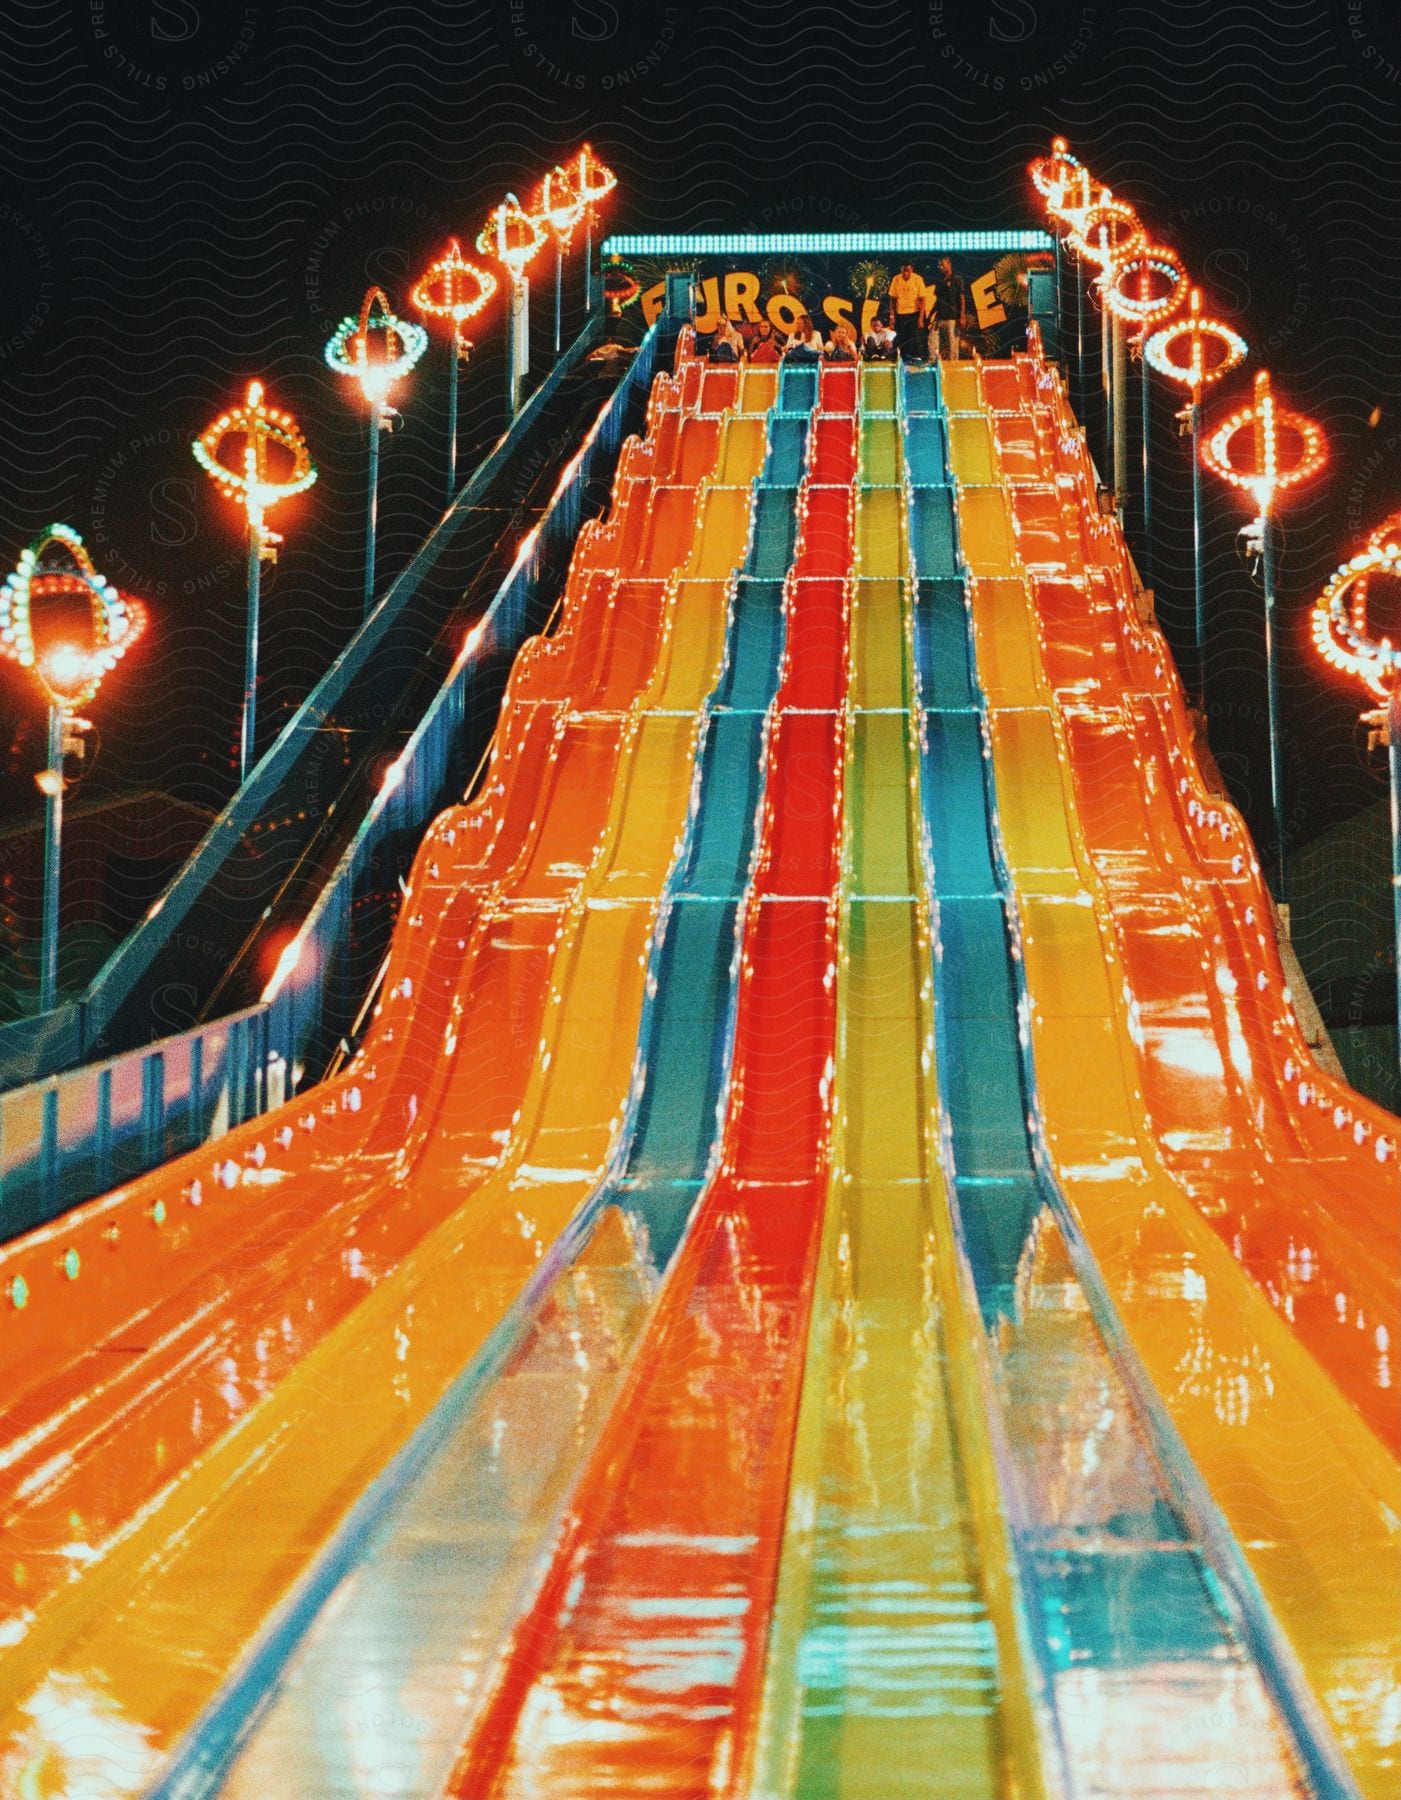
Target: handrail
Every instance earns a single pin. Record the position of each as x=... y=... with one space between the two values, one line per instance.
x=67 y=1137
x=44 y=1044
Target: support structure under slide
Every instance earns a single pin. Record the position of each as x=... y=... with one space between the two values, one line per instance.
x=833 y=1273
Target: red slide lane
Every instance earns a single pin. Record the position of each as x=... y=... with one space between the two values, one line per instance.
x=639 y=1664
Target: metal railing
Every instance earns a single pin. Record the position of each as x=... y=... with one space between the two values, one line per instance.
x=70 y=1136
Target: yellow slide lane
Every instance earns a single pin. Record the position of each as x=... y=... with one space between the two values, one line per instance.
x=892 y=1667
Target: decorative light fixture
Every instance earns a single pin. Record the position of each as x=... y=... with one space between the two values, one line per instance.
x=1052 y=174
x=1106 y=231
x=1269 y=472
x=560 y=205
x=1345 y=639
x=1195 y=351
x=593 y=181
x=514 y=237
x=453 y=288
x=57 y=568
x=377 y=349
x=1285 y=450
x=1144 y=289
x=271 y=463
x=1145 y=286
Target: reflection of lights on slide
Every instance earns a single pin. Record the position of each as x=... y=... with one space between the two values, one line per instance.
x=1270 y=473
x=1202 y=334
x=377 y=349
x=249 y=477
x=57 y=567
x=1340 y=628
x=1146 y=286
x=453 y=288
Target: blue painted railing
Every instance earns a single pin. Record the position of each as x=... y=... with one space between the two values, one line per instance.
x=72 y=1135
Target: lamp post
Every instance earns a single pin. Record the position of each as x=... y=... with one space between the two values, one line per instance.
x=57 y=571
x=1345 y=639
x=1051 y=176
x=1107 y=231
x=452 y=288
x=1144 y=289
x=1071 y=194
x=560 y=205
x=513 y=236
x=376 y=349
x=271 y=464
x=593 y=181
x=1213 y=350
x=1274 y=467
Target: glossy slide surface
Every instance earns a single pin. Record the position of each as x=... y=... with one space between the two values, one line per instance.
x=637 y=1668
x=832 y=1274
x=532 y=909
x=1161 y=1036
x=884 y=1674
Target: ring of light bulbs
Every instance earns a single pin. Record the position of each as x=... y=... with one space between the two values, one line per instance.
x=249 y=481
x=512 y=235
x=1052 y=174
x=1197 y=330
x=1117 y=285
x=1107 y=231
x=69 y=676
x=377 y=348
x=1341 y=633
x=453 y=288
x=1267 y=422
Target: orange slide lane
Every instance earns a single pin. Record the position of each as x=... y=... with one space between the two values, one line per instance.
x=357 y=1192
x=639 y=1664
x=1298 y=1174
x=1311 y=1494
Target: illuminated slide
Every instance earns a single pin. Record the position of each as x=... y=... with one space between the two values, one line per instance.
x=209 y=1365
x=1236 y=1207
x=833 y=1273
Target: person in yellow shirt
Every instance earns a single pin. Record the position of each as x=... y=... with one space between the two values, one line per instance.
x=907 y=297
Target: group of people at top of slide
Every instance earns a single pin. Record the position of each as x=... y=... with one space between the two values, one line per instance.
x=918 y=320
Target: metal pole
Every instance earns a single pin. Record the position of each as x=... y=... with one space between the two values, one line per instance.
x=1198 y=569
x=1145 y=553
x=559 y=290
x=372 y=508
x=247 y=736
x=515 y=362
x=454 y=356
x=1267 y=567
x=1106 y=379
x=588 y=262
x=1393 y=754
x=1121 y=418
x=1079 y=344
x=53 y=835
x=1060 y=289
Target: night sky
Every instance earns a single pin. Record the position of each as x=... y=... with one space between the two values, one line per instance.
x=195 y=192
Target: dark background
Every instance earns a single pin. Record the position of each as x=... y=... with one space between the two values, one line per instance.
x=197 y=190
